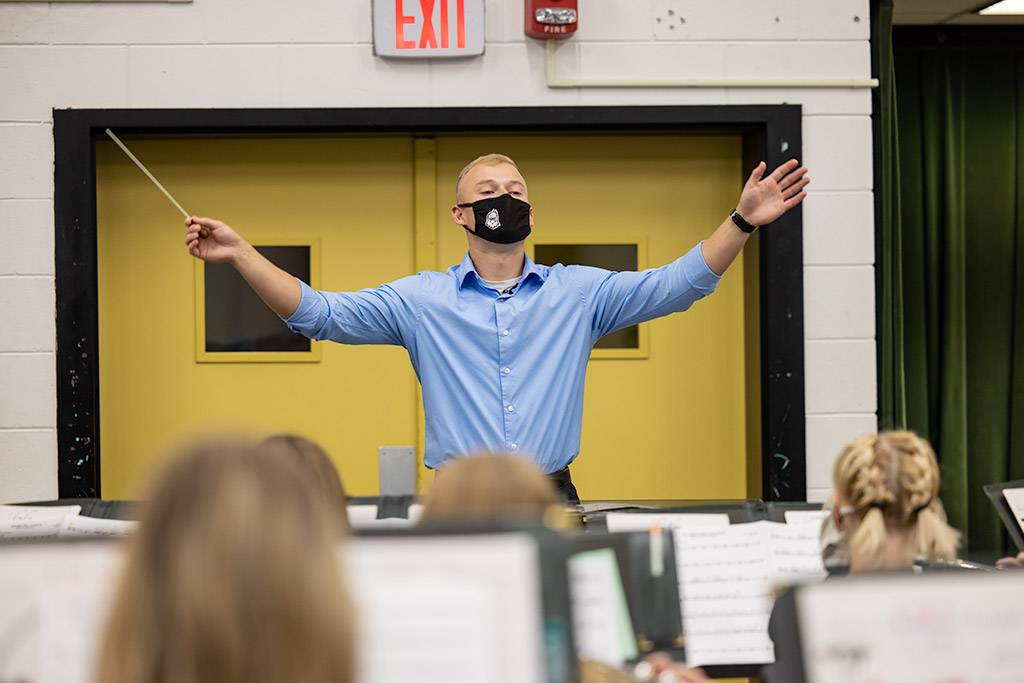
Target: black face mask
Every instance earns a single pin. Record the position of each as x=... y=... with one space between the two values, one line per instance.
x=502 y=220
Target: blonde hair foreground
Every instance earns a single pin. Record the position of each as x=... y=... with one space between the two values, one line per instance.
x=489 y=487
x=325 y=474
x=232 y=577
x=891 y=480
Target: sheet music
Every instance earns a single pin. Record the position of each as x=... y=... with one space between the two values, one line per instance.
x=71 y=623
x=724 y=588
x=365 y=517
x=54 y=599
x=795 y=552
x=78 y=526
x=806 y=516
x=25 y=521
x=642 y=521
x=448 y=609
x=602 y=627
x=941 y=628
x=1015 y=499
x=727 y=576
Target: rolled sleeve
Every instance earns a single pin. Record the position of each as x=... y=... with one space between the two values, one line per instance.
x=310 y=314
x=698 y=272
x=384 y=315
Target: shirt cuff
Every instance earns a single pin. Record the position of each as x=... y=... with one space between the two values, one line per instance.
x=306 y=317
x=698 y=272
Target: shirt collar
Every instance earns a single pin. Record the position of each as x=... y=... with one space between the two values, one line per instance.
x=462 y=270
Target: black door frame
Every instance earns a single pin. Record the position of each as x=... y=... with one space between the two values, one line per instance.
x=770 y=132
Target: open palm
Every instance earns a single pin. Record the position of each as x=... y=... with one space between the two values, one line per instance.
x=764 y=199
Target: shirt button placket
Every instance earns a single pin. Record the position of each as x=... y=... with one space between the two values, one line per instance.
x=504 y=342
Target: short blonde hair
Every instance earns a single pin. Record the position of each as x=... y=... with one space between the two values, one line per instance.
x=492 y=159
x=891 y=480
x=488 y=487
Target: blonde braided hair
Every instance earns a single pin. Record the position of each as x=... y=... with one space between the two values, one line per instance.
x=891 y=480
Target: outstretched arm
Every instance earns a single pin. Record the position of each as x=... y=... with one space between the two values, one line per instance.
x=622 y=299
x=764 y=199
x=211 y=240
x=385 y=315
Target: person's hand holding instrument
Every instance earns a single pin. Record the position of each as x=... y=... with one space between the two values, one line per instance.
x=206 y=238
x=211 y=240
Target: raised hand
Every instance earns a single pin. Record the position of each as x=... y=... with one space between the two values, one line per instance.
x=764 y=199
x=211 y=240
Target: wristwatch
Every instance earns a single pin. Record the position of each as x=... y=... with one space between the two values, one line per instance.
x=742 y=223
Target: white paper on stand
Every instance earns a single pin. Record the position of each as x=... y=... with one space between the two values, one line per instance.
x=642 y=521
x=949 y=627
x=1015 y=499
x=27 y=521
x=448 y=609
x=727 y=578
x=80 y=526
x=55 y=598
x=795 y=552
x=725 y=594
x=602 y=628
x=71 y=622
x=806 y=516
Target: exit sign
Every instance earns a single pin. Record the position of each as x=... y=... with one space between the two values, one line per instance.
x=428 y=28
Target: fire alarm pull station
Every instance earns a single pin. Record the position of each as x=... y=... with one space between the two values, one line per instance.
x=546 y=19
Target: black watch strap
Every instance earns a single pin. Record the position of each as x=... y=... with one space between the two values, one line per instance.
x=742 y=223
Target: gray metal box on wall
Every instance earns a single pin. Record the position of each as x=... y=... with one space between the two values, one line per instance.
x=450 y=28
x=397 y=470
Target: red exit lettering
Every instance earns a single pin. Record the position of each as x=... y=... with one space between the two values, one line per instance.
x=428 y=37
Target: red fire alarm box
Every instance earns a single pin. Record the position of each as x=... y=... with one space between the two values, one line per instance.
x=546 y=19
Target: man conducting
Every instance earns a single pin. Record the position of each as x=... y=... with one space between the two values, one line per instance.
x=500 y=344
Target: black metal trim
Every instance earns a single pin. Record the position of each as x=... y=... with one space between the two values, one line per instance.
x=78 y=393
x=977 y=35
x=772 y=132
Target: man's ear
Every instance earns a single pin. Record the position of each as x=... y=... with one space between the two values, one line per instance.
x=464 y=218
x=531 y=216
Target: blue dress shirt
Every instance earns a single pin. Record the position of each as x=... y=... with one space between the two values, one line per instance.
x=503 y=372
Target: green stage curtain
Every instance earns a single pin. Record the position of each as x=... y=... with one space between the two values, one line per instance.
x=950 y=242
x=892 y=400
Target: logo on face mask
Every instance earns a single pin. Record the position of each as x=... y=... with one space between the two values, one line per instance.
x=488 y=212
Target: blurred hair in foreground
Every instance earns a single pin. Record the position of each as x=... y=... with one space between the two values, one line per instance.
x=328 y=480
x=232 y=577
x=489 y=487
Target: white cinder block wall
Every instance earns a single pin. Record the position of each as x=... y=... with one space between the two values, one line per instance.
x=318 y=53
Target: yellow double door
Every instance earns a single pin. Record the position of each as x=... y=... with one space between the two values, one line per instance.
x=666 y=419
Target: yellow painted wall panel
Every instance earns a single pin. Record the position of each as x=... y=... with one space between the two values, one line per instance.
x=353 y=194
